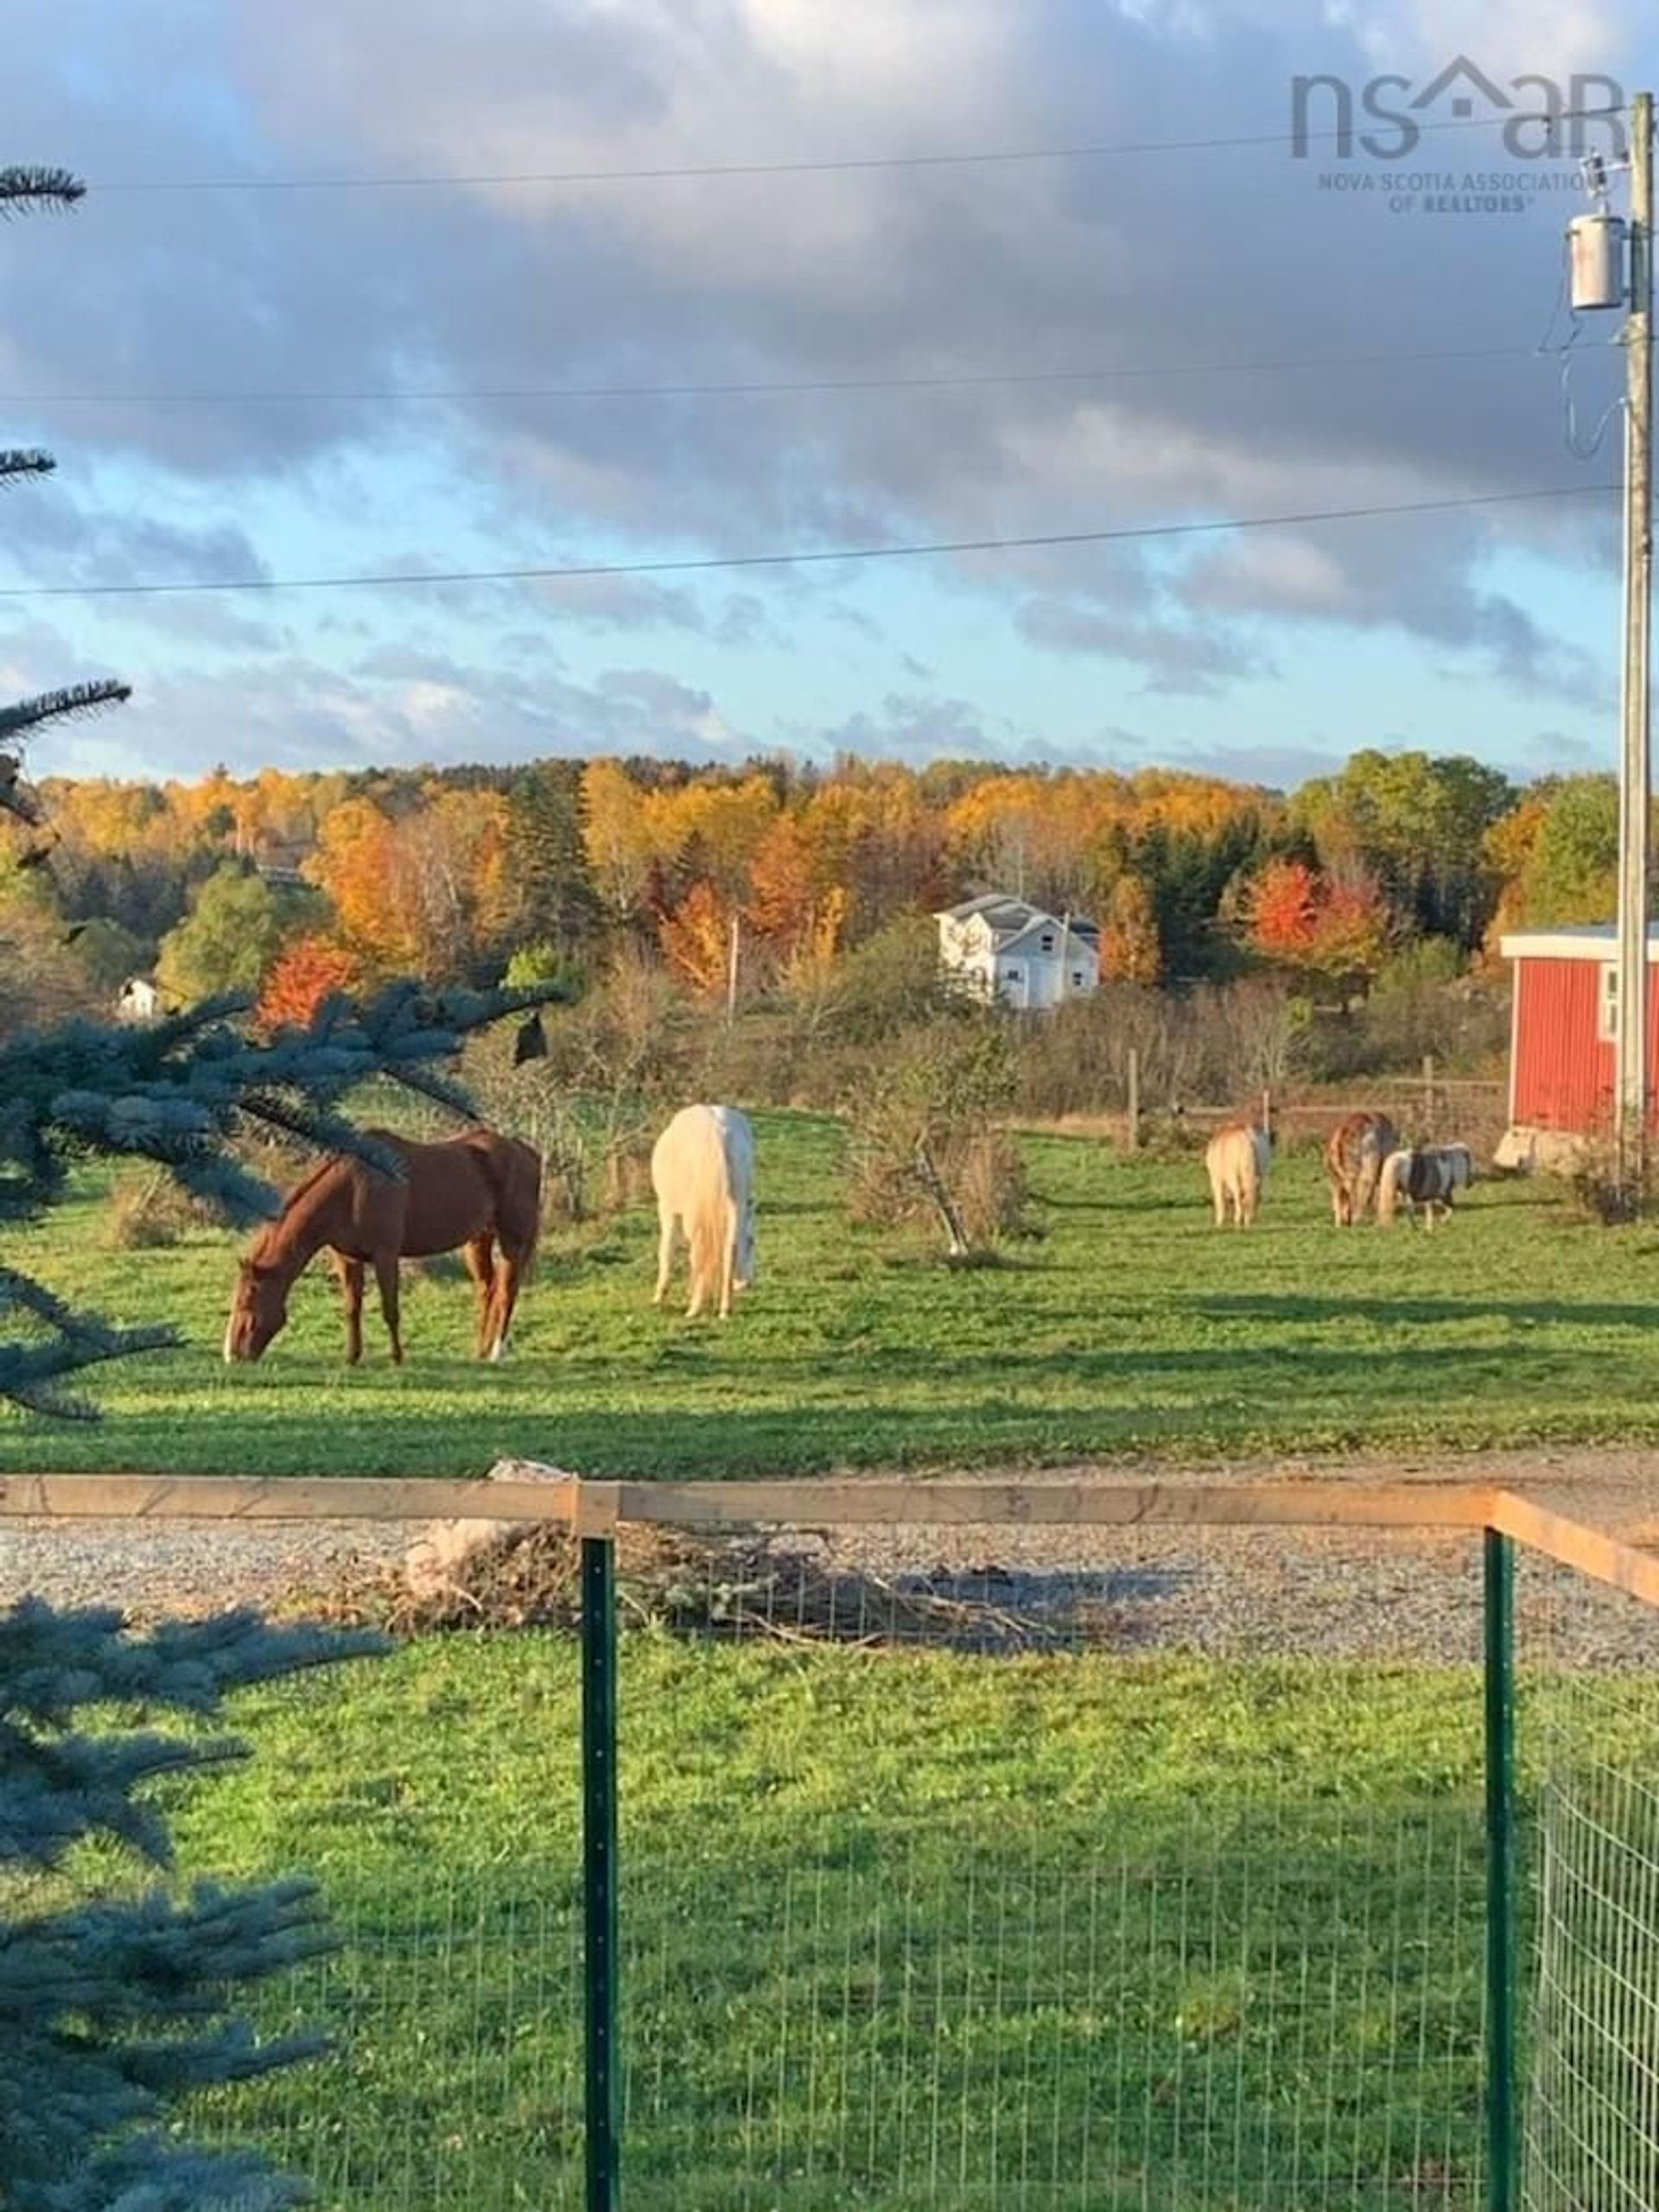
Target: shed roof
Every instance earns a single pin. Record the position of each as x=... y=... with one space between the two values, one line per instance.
x=1579 y=941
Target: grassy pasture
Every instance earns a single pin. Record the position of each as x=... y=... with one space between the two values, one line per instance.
x=1131 y=1328
x=899 y=1928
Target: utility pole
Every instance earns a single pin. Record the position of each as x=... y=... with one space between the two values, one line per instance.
x=1604 y=276
x=1635 y=780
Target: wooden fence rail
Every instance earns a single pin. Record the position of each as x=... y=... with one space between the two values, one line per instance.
x=594 y=1509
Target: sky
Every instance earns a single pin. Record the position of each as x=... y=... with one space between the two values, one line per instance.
x=388 y=289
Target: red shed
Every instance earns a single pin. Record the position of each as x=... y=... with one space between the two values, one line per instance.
x=1562 y=1039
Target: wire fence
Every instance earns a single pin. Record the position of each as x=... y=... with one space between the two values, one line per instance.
x=1083 y=1853
x=1592 y=2103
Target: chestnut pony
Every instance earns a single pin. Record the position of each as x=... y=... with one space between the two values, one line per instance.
x=478 y=1191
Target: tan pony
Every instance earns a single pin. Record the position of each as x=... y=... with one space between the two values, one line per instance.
x=1353 y=1163
x=1237 y=1159
x=479 y=1192
x=702 y=1173
x=1427 y=1177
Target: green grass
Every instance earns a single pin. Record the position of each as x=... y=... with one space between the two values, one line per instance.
x=1132 y=1329
x=898 y=1928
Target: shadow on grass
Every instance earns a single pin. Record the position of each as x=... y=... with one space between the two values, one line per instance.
x=1279 y=1307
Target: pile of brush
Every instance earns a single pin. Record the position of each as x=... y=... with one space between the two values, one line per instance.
x=511 y=1576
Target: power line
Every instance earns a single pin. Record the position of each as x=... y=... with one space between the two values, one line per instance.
x=817 y=557
x=770 y=387
x=688 y=172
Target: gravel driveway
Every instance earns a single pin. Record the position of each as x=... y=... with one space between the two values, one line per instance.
x=1373 y=1593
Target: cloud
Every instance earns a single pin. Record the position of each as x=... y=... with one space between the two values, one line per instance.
x=921 y=726
x=1193 y=658
x=279 y=322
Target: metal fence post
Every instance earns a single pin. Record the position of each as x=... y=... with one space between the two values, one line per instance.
x=1499 y=1618
x=599 y=1870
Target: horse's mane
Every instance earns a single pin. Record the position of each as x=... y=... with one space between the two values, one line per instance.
x=268 y=1238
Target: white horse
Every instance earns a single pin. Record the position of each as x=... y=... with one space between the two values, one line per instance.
x=1237 y=1159
x=1424 y=1176
x=702 y=1172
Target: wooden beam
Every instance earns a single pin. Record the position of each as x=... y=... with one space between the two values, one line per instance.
x=254 y=1497
x=1057 y=1504
x=596 y=1507
x=1570 y=1542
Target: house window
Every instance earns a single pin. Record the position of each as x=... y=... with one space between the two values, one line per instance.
x=1011 y=974
x=1048 y=940
x=1607 y=1004
x=1076 y=979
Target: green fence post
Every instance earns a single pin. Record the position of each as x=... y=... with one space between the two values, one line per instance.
x=1499 y=1613
x=603 y=2103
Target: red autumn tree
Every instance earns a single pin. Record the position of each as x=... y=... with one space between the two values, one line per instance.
x=1336 y=927
x=301 y=977
x=1284 y=910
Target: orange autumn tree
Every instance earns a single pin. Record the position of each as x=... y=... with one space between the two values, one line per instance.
x=1338 y=927
x=300 y=978
x=792 y=904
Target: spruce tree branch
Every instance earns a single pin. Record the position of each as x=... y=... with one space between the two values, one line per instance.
x=72 y=700
x=27 y=189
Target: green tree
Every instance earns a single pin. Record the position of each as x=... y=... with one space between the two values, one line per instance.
x=1418 y=824
x=236 y=926
x=556 y=901
x=106 y=954
x=1571 y=871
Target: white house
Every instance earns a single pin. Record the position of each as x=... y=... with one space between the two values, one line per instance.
x=1002 y=947
x=140 y=1001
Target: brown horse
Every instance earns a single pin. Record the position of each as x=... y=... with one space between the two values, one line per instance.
x=479 y=1191
x=1353 y=1163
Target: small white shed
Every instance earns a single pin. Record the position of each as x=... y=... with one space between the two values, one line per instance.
x=139 y=1000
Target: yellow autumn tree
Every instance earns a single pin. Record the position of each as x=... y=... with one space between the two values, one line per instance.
x=1129 y=950
x=696 y=938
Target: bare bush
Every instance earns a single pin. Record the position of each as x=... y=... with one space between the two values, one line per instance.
x=924 y=1143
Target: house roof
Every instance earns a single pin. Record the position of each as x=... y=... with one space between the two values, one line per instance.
x=1082 y=936
x=1583 y=941
x=1011 y=918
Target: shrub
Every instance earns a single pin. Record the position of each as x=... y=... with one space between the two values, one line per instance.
x=147 y=1210
x=924 y=1142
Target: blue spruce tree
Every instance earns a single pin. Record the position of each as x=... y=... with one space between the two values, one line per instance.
x=110 y=2010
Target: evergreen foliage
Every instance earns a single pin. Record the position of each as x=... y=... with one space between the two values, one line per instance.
x=111 y=2008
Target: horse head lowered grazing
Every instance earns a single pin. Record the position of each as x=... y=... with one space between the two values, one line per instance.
x=479 y=1192
x=702 y=1173
x=1237 y=1160
x=1354 y=1157
x=1425 y=1176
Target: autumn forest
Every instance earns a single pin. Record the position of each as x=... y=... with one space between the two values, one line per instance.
x=288 y=886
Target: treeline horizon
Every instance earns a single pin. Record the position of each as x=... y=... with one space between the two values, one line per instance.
x=288 y=883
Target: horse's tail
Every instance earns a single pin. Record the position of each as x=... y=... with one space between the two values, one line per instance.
x=513 y=1171
x=1395 y=1169
x=1255 y=1158
x=1376 y=1144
